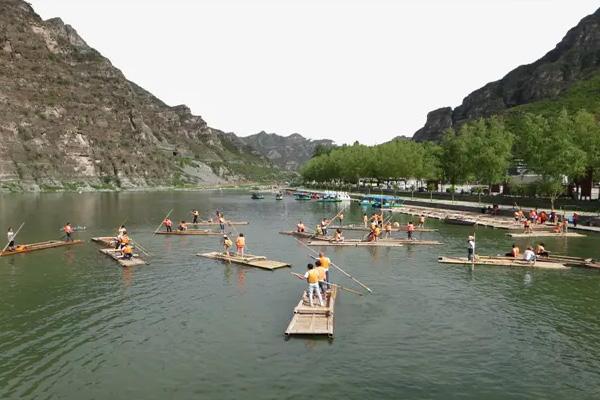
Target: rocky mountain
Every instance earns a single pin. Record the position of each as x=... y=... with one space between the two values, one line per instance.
x=288 y=152
x=70 y=119
x=552 y=78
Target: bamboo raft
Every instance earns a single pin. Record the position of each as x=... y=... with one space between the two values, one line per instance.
x=248 y=260
x=315 y=320
x=116 y=255
x=501 y=261
x=106 y=241
x=27 y=248
x=545 y=234
x=213 y=223
x=559 y=259
x=362 y=228
x=356 y=243
x=305 y=235
x=190 y=232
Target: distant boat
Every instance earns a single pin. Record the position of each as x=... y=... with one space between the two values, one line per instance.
x=279 y=196
x=257 y=196
x=302 y=196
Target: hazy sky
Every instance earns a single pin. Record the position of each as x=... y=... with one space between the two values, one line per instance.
x=364 y=70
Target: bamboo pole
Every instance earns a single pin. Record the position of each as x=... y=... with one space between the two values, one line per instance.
x=338 y=268
x=14 y=236
x=332 y=284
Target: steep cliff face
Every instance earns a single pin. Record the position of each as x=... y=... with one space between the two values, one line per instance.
x=576 y=58
x=69 y=118
x=288 y=152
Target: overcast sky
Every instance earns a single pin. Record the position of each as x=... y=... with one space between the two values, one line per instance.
x=365 y=70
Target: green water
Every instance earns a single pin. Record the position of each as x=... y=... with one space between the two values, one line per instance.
x=74 y=325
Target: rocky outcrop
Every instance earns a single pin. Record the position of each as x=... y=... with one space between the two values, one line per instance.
x=575 y=58
x=69 y=118
x=288 y=152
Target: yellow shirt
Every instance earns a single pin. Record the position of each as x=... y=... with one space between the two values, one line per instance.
x=312 y=276
x=321 y=272
x=325 y=262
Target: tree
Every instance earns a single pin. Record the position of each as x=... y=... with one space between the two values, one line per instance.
x=454 y=155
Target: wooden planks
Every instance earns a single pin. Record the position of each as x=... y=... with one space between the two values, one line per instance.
x=545 y=234
x=305 y=235
x=106 y=241
x=248 y=260
x=212 y=223
x=190 y=232
x=315 y=320
x=500 y=261
x=116 y=255
x=357 y=243
x=50 y=244
x=363 y=229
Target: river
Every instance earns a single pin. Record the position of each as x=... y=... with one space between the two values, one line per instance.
x=74 y=325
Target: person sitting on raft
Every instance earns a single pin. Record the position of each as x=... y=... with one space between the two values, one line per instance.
x=182 y=226
x=540 y=250
x=318 y=230
x=300 y=227
x=168 y=224
x=515 y=251
x=529 y=255
x=374 y=234
x=558 y=228
x=527 y=226
x=337 y=237
x=127 y=252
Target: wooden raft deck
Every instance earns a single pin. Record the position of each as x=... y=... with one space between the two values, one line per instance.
x=363 y=229
x=27 y=248
x=545 y=234
x=305 y=235
x=501 y=261
x=355 y=243
x=190 y=232
x=248 y=260
x=106 y=241
x=315 y=320
x=116 y=255
x=211 y=223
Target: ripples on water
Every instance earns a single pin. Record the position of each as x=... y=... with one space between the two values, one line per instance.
x=76 y=326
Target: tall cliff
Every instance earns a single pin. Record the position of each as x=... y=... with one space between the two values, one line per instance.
x=575 y=59
x=288 y=152
x=69 y=118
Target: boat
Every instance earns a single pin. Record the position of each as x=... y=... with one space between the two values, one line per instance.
x=501 y=261
x=302 y=196
x=459 y=221
x=316 y=320
x=257 y=196
x=355 y=243
x=545 y=234
x=334 y=197
x=389 y=204
x=279 y=196
x=214 y=223
x=49 y=244
x=362 y=228
x=190 y=232
x=377 y=201
x=248 y=260
x=116 y=255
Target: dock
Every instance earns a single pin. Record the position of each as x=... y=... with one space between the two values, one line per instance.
x=315 y=320
x=502 y=262
x=27 y=248
x=248 y=260
x=116 y=255
x=545 y=234
x=191 y=232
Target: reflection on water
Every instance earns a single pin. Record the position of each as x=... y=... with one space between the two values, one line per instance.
x=76 y=326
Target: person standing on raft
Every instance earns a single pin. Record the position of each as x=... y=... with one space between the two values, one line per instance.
x=471 y=248
x=168 y=224
x=10 y=235
x=240 y=244
x=68 y=229
x=410 y=228
x=227 y=243
x=421 y=221
x=195 y=215
x=325 y=263
x=312 y=277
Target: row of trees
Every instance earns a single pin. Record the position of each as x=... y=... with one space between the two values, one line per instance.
x=558 y=148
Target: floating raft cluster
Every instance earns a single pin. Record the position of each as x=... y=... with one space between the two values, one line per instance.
x=501 y=261
x=248 y=260
x=315 y=320
x=27 y=248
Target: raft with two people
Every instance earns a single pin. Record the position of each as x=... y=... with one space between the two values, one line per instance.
x=120 y=249
x=502 y=261
x=12 y=248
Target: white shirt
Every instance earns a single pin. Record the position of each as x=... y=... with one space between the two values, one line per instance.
x=472 y=244
x=11 y=236
x=529 y=255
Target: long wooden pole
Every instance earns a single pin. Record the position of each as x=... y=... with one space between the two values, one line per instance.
x=161 y=222
x=14 y=236
x=332 y=284
x=338 y=268
x=137 y=245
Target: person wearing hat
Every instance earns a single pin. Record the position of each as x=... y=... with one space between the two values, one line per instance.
x=471 y=248
x=227 y=243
